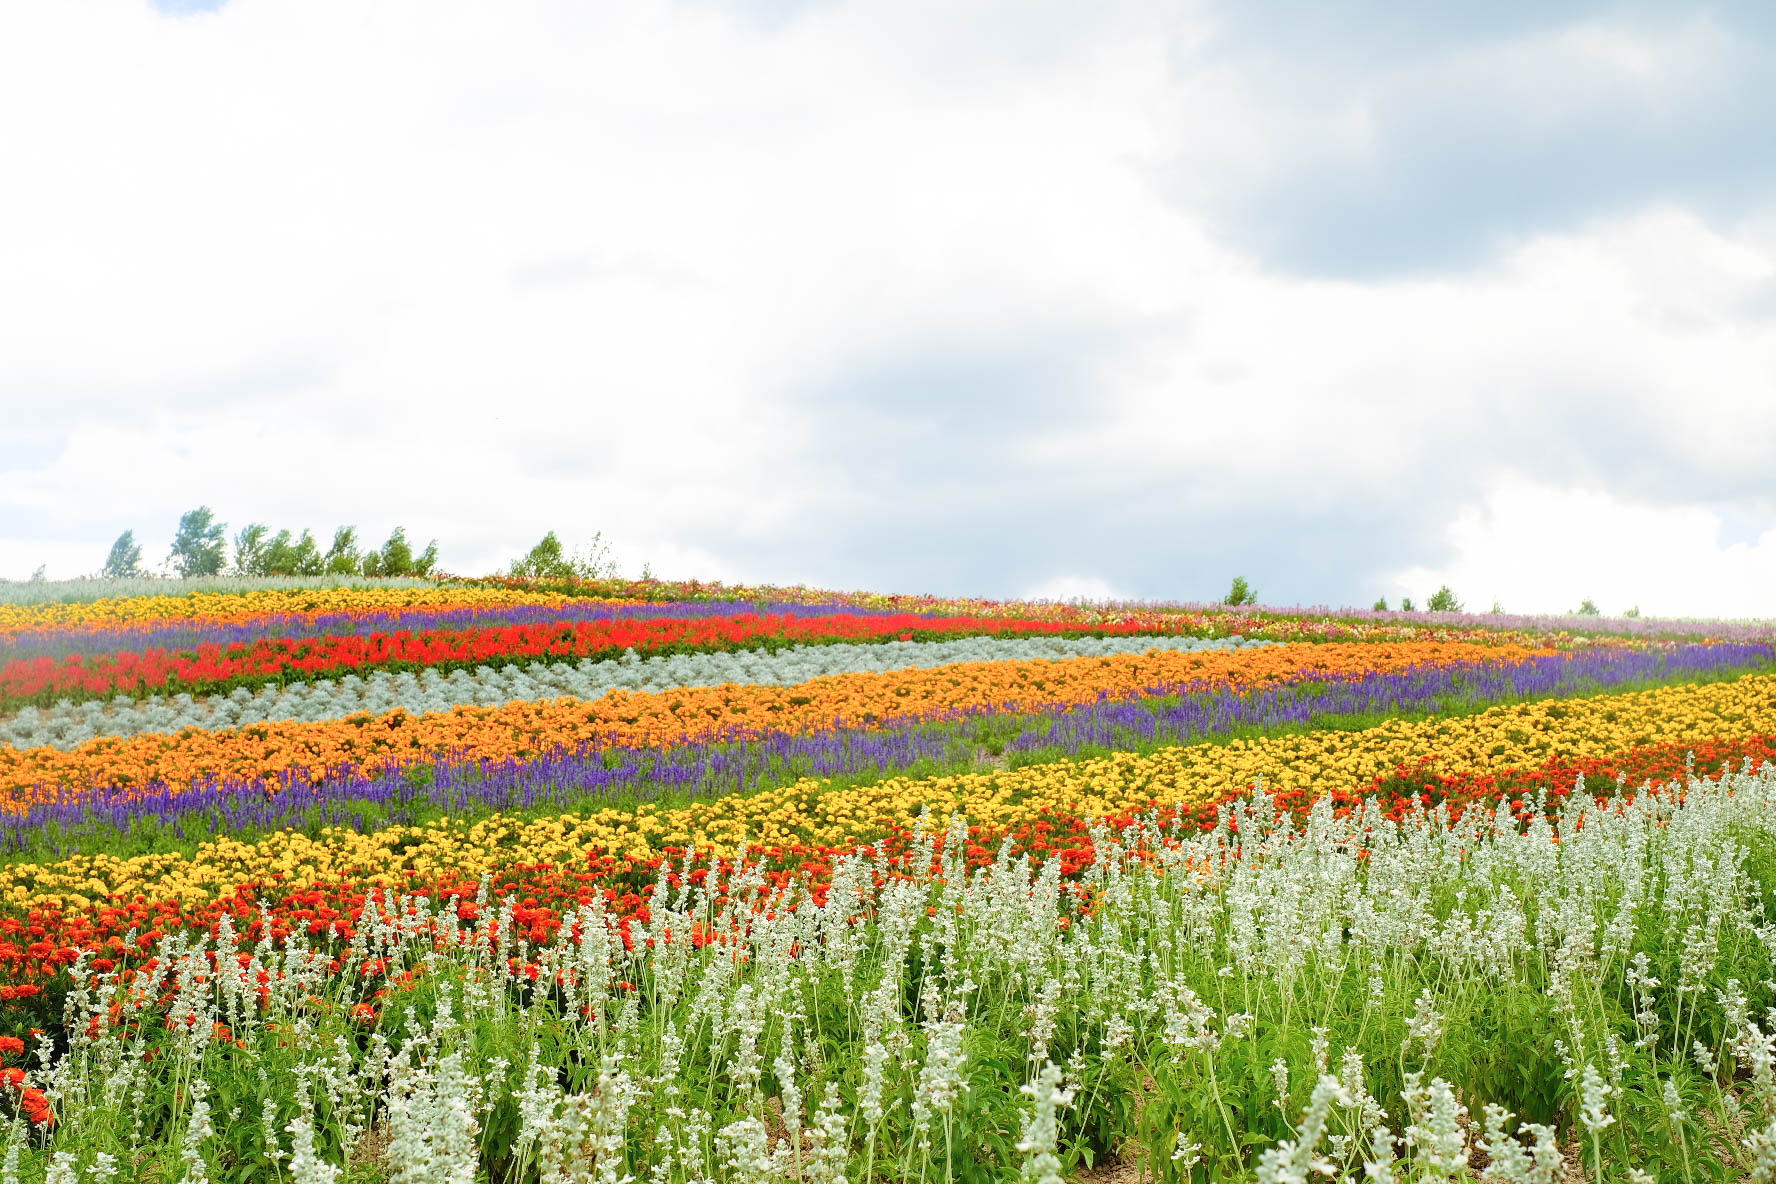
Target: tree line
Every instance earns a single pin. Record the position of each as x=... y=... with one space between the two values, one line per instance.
x=202 y=548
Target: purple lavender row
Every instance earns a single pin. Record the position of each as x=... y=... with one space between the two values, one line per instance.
x=185 y=636
x=1426 y=689
x=565 y=778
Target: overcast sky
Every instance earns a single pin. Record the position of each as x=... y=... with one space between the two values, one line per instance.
x=1010 y=298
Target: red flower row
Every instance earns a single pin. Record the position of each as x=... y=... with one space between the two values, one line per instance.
x=213 y=668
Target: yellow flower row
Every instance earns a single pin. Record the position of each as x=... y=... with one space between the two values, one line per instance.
x=268 y=602
x=813 y=813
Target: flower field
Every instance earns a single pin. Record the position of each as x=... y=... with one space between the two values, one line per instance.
x=490 y=881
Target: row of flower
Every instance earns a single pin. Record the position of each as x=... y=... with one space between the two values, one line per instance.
x=1517 y=751
x=68 y=725
x=171 y=620
x=566 y=779
x=1275 y=997
x=665 y=718
x=211 y=669
x=190 y=633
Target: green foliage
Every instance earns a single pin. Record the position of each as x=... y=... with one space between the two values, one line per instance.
x=1443 y=600
x=1632 y=613
x=250 y=545
x=1406 y=604
x=200 y=545
x=1588 y=609
x=309 y=561
x=396 y=558
x=1380 y=605
x=298 y=557
x=1240 y=593
x=125 y=560
x=549 y=560
x=343 y=557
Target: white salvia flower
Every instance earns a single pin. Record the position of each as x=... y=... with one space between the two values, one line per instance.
x=1674 y=1107
x=1435 y=1136
x=196 y=1131
x=742 y=1147
x=62 y=1170
x=1293 y=1161
x=1641 y=1176
x=103 y=1168
x=1379 y=1166
x=1322 y=1051
x=1594 y=1101
x=9 y=1169
x=1041 y=1134
x=940 y=1080
x=432 y=1130
x=268 y=1128
x=306 y=1165
x=1762 y=1146
x=1425 y=1028
x=609 y=1121
x=791 y=1096
x=1509 y=1162
x=869 y=1096
x=826 y=1140
x=1279 y=1076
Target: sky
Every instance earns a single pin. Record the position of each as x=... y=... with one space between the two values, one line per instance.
x=982 y=297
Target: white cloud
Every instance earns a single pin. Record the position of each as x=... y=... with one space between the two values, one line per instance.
x=1542 y=549
x=487 y=272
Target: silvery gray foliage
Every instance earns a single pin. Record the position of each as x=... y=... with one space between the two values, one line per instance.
x=68 y=725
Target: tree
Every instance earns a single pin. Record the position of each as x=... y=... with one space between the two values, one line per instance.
x=426 y=560
x=200 y=545
x=309 y=561
x=1497 y=609
x=1443 y=601
x=1240 y=593
x=250 y=548
x=1633 y=612
x=280 y=555
x=395 y=558
x=342 y=558
x=1380 y=605
x=549 y=560
x=1406 y=604
x=546 y=561
x=125 y=560
x=41 y=574
x=1588 y=609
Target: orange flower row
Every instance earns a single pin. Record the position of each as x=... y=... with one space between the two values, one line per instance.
x=658 y=719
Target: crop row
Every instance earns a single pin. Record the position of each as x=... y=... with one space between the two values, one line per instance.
x=188 y=635
x=653 y=719
x=281 y=660
x=1264 y=998
x=69 y=725
x=204 y=601
x=295 y=608
x=811 y=816
x=570 y=780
